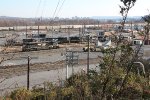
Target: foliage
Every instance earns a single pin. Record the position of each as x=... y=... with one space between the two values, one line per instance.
x=21 y=94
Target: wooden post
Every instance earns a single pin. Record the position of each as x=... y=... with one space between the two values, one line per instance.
x=28 y=74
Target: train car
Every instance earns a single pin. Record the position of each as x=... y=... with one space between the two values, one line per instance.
x=35 y=46
x=74 y=39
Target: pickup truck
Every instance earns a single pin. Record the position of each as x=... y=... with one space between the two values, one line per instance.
x=92 y=48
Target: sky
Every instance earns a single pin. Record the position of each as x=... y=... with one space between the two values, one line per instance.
x=70 y=8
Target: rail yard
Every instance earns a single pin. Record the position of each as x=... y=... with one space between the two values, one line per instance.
x=48 y=48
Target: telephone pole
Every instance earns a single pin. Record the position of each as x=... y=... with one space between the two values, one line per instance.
x=28 y=74
x=132 y=29
x=69 y=34
x=26 y=31
x=28 y=69
x=38 y=32
x=88 y=54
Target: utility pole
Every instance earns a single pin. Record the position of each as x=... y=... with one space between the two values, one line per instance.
x=28 y=74
x=39 y=21
x=88 y=53
x=98 y=24
x=132 y=30
x=26 y=31
x=28 y=69
x=69 y=34
x=80 y=34
x=38 y=32
x=72 y=61
x=52 y=31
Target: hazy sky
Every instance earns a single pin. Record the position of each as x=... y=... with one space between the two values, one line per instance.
x=81 y=8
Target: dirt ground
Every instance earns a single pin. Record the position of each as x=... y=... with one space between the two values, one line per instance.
x=17 y=70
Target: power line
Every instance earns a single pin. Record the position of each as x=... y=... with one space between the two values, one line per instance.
x=44 y=3
x=38 y=8
x=56 y=8
x=60 y=7
x=54 y=12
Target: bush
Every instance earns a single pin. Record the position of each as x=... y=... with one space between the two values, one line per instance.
x=21 y=94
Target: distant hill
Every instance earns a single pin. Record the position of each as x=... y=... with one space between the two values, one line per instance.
x=7 y=17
